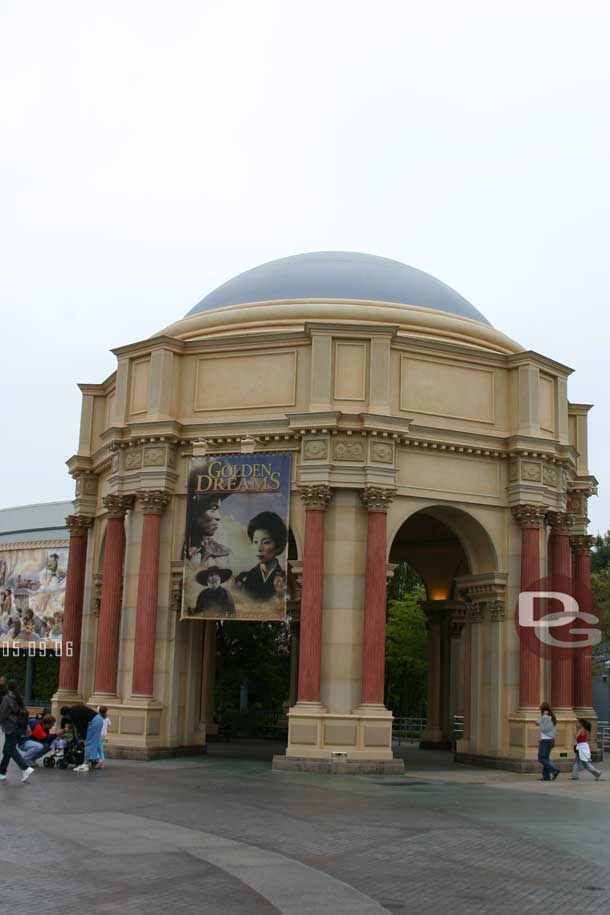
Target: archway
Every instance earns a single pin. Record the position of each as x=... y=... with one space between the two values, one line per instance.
x=249 y=673
x=452 y=553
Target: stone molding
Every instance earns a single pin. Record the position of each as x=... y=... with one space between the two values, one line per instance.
x=377 y=498
x=154 y=501
x=78 y=525
x=117 y=506
x=315 y=496
x=581 y=544
x=530 y=515
x=32 y=545
x=560 y=522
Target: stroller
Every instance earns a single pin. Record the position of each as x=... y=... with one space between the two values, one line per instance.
x=73 y=754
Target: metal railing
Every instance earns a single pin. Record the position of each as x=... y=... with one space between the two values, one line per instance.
x=603 y=736
x=413 y=728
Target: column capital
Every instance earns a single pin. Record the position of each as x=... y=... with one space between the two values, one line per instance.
x=529 y=515
x=78 y=524
x=560 y=522
x=154 y=501
x=117 y=506
x=316 y=495
x=581 y=544
x=377 y=498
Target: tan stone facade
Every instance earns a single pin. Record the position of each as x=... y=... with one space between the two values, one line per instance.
x=447 y=422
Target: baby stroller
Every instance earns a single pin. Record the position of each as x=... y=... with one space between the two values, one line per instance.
x=73 y=754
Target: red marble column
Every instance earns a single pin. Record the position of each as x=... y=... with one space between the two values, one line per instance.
x=583 y=658
x=108 y=632
x=153 y=504
x=377 y=501
x=316 y=499
x=561 y=573
x=531 y=519
x=73 y=603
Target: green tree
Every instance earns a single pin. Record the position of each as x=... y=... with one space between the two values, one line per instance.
x=258 y=654
x=406 y=654
x=600 y=554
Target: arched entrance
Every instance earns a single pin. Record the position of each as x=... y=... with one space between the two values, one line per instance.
x=249 y=673
x=454 y=556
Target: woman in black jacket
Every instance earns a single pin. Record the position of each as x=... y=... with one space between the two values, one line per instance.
x=14 y=721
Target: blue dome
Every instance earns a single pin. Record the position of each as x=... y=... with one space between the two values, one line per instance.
x=331 y=275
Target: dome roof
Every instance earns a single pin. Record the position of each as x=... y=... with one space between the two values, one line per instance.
x=332 y=275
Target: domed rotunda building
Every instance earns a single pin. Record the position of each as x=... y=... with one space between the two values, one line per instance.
x=417 y=432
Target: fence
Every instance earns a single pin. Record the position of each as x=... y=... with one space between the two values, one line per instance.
x=413 y=728
x=603 y=736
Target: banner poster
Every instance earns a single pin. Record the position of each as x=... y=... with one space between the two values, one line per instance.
x=32 y=591
x=236 y=539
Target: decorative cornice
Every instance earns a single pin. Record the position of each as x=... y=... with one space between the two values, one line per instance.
x=560 y=522
x=529 y=515
x=154 y=501
x=117 y=505
x=78 y=525
x=316 y=495
x=377 y=498
x=32 y=545
x=581 y=544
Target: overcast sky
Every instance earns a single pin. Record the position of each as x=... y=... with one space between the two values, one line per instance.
x=149 y=151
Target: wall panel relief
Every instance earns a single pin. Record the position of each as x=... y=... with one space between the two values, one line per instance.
x=350 y=371
x=140 y=376
x=246 y=380
x=445 y=473
x=447 y=389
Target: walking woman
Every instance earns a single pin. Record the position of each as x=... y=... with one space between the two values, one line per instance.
x=14 y=721
x=548 y=731
x=583 y=751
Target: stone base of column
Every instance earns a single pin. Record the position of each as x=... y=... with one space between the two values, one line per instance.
x=524 y=735
x=434 y=739
x=66 y=697
x=363 y=737
x=338 y=766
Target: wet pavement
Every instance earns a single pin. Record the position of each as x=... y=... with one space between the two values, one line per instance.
x=227 y=835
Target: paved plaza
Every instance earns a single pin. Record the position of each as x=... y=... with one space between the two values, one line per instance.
x=224 y=834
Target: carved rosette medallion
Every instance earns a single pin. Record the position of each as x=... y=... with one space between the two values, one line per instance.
x=529 y=515
x=377 y=498
x=316 y=495
x=581 y=544
x=154 y=501
x=117 y=506
x=347 y=450
x=315 y=449
x=382 y=452
x=531 y=472
x=78 y=525
x=561 y=522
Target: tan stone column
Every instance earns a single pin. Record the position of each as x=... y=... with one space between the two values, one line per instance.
x=73 y=606
x=531 y=519
x=108 y=633
x=433 y=734
x=561 y=576
x=154 y=503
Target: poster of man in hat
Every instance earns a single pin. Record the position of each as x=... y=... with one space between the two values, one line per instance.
x=236 y=537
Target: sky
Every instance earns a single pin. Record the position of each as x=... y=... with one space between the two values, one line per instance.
x=150 y=151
